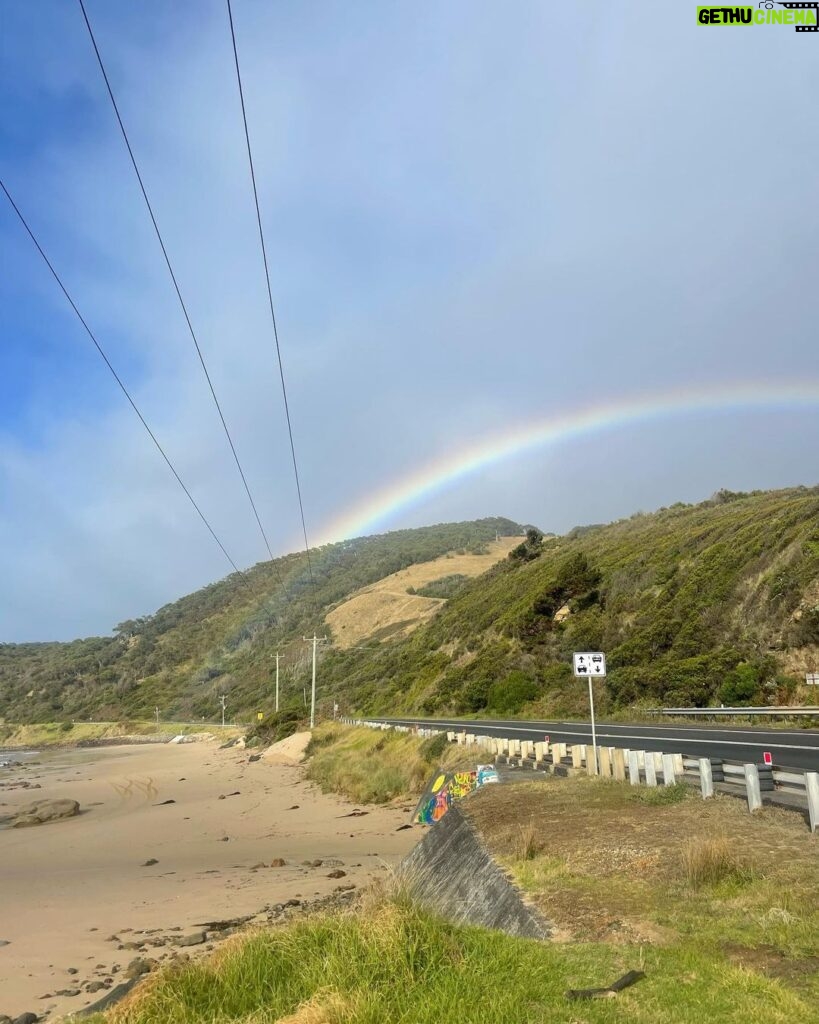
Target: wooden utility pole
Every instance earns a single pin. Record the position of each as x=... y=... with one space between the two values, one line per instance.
x=315 y=641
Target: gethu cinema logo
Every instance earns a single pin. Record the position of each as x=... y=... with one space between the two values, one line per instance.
x=803 y=16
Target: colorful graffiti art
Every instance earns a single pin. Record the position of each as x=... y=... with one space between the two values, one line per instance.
x=446 y=787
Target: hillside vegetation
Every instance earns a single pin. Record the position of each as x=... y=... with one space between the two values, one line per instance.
x=693 y=605
x=220 y=639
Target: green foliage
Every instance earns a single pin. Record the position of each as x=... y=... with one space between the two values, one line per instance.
x=742 y=686
x=219 y=639
x=510 y=694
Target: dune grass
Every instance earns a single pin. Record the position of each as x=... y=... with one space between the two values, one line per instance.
x=374 y=766
x=65 y=734
x=394 y=962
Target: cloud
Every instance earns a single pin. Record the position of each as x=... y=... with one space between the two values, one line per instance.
x=473 y=213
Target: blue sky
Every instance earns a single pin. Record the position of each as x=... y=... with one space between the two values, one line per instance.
x=477 y=214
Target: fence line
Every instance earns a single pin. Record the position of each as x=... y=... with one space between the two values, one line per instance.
x=639 y=767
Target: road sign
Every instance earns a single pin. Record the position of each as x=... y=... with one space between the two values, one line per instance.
x=812 y=678
x=259 y=716
x=546 y=737
x=767 y=757
x=589 y=663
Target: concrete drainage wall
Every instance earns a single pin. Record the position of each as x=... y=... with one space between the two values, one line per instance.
x=451 y=871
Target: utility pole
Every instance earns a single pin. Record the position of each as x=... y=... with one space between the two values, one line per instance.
x=277 y=680
x=223 y=701
x=315 y=640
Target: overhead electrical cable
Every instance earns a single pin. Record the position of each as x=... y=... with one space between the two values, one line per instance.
x=174 y=280
x=269 y=292
x=118 y=379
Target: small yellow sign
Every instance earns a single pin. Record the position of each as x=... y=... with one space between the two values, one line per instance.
x=259 y=716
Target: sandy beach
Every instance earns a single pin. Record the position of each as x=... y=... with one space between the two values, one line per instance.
x=79 y=902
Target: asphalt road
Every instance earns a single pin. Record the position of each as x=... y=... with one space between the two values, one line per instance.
x=791 y=748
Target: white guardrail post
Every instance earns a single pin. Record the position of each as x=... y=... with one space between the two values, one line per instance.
x=812 y=790
x=752 y=787
x=706 y=778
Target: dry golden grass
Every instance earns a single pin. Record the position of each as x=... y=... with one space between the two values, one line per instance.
x=528 y=841
x=707 y=861
x=386 y=607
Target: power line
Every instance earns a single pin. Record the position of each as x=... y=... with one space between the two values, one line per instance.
x=117 y=378
x=269 y=290
x=173 y=278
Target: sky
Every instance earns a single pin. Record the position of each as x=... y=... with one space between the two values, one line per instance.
x=477 y=215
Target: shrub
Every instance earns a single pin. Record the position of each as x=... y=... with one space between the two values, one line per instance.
x=709 y=861
x=512 y=693
x=432 y=748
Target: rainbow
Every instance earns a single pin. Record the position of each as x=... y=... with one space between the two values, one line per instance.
x=371 y=513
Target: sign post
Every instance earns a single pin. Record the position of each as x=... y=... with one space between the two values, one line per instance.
x=590 y=664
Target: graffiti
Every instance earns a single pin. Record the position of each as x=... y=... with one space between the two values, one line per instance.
x=447 y=787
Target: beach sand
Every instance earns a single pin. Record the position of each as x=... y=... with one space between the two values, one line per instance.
x=74 y=892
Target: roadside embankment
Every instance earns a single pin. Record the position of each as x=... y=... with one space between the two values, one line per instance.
x=374 y=766
x=675 y=878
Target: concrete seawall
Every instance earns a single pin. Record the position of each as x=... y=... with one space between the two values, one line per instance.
x=451 y=871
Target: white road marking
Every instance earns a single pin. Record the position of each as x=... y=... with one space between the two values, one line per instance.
x=626 y=736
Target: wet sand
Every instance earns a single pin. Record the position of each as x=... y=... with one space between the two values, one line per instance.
x=73 y=893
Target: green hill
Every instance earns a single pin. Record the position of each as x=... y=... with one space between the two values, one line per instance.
x=220 y=639
x=693 y=605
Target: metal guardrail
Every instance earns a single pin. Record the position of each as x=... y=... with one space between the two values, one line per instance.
x=775 y=712
x=639 y=767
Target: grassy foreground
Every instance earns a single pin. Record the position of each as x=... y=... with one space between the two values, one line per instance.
x=66 y=734
x=374 y=766
x=393 y=962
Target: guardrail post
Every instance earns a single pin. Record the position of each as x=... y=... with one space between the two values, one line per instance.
x=577 y=755
x=752 y=787
x=525 y=748
x=591 y=759
x=668 y=770
x=812 y=792
x=450 y=737
x=651 y=769
x=634 y=767
x=706 y=778
x=540 y=752
x=605 y=762
x=618 y=765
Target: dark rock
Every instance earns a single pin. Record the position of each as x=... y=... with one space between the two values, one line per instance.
x=316 y=863
x=26 y=1018
x=136 y=968
x=4 y=942
x=4 y=1019
x=164 y=802
x=194 y=939
x=295 y=807
x=67 y=992
x=150 y=862
x=338 y=873
x=94 y=986
x=223 y=797
x=255 y=757
x=354 y=814
x=71 y=970
x=293 y=903
x=225 y=839
x=277 y=862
